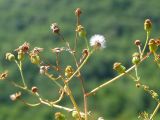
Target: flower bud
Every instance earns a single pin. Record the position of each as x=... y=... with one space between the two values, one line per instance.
x=34 y=89
x=59 y=116
x=75 y=114
x=119 y=68
x=137 y=42
x=153 y=94
x=10 y=56
x=81 y=31
x=138 y=85
x=78 y=12
x=20 y=55
x=147 y=25
x=35 y=59
x=136 y=58
x=69 y=71
x=152 y=45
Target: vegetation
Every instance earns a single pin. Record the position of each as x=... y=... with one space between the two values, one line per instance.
x=120 y=21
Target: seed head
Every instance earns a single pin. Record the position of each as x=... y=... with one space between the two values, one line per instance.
x=98 y=41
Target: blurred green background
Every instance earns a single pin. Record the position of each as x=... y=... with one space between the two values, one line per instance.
x=120 y=21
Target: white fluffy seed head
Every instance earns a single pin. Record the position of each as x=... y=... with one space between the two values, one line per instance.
x=98 y=41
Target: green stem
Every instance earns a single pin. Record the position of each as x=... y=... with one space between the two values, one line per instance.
x=21 y=72
x=117 y=77
x=155 y=111
x=83 y=89
x=73 y=101
x=110 y=81
x=136 y=71
x=86 y=40
x=79 y=67
x=54 y=80
x=44 y=101
x=147 y=38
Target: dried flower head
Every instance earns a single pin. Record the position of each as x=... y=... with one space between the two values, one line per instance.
x=24 y=47
x=3 y=75
x=78 y=12
x=15 y=96
x=98 y=41
x=43 y=69
x=37 y=50
x=158 y=42
x=57 y=50
x=55 y=28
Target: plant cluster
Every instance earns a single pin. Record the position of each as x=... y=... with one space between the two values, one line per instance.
x=62 y=76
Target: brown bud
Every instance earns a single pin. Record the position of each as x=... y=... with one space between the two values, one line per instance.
x=137 y=42
x=34 y=89
x=78 y=12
